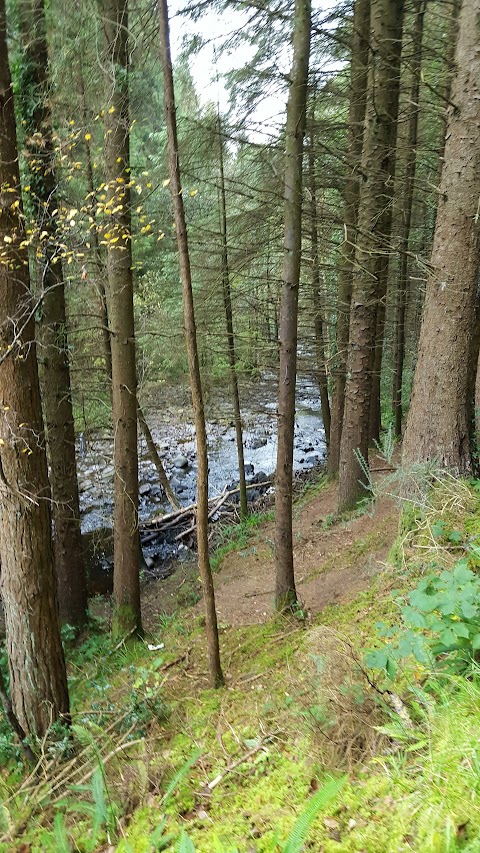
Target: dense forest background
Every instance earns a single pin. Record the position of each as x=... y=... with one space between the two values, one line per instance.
x=293 y=198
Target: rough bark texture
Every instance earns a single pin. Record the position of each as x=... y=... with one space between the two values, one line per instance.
x=439 y=425
x=358 y=100
x=321 y=362
x=285 y=593
x=117 y=233
x=38 y=682
x=374 y=219
x=216 y=675
x=53 y=362
x=406 y=213
x=232 y=361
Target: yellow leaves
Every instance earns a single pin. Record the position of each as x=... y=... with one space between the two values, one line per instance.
x=7 y=239
x=6 y=408
x=111 y=110
x=166 y=182
x=193 y=193
x=88 y=137
x=146 y=228
x=161 y=235
x=27 y=189
x=2 y=443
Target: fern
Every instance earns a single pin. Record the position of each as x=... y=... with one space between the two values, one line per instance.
x=185 y=844
x=319 y=800
x=179 y=776
x=60 y=837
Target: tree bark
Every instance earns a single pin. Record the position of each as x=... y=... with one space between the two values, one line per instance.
x=358 y=100
x=406 y=214
x=439 y=425
x=374 y=219
x=216 y=675
x=117 y=235
x=53 y=363
x=227 y=304
x=285 y=592
x=321 y=362
x=38 y=681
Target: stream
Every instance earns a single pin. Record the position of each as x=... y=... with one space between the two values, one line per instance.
x=174 y=434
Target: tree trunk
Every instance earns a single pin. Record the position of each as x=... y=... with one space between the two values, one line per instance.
x=117 y=234
x=406 y=214
x=358 y=99
x=53 y=362
x=374 y=219
x=439 y=425
x=227 y=303
x=317 y=297
x=285 y=592
x=162 y=477
x=216 y=675
x=38 y=681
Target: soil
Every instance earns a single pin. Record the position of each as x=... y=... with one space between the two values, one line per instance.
x=334 y=561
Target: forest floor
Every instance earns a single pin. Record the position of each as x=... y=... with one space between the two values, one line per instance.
x=164 y=755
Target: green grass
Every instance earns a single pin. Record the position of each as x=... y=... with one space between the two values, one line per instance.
x=292 y=707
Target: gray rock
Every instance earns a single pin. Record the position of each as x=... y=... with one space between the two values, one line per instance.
x=260 y=441
x=249 y=469
x=145 y=489
x=107 y=472
x=180 y=462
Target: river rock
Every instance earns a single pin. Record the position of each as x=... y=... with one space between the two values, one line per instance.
x=107 y=472
x=249 y=469
x=260 y=441
x=180 y=462
x=145 y=489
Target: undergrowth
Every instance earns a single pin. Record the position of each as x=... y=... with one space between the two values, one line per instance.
x=162 y=762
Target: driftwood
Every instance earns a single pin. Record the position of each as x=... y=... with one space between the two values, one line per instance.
x=150 y=529
x=154 y=456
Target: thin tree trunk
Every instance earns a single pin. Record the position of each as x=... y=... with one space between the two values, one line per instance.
x=154 y=456
x=358 y=99
x=99 y=280
x=406 y=214
x=374 y=220
x=216 y=675
x=227 y=303
x=54 y=365
x=285 y=592
x=439 y=424
x=317 y=297
x=117 y=233
x=38 y=680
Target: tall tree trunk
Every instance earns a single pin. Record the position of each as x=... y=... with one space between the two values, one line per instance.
x=358 y=100
x=99 y=265
x=285 y=592
x=38 y=680
x=227 y=303
x=54 y=365
x=317 y=297
x=117 y=233
x=439 y=425
x=406 y=214
x=374 y=218
x=216 y=675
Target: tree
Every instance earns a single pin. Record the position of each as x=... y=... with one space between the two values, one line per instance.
x=440 y=420
x=358 y=96
x=216 y=675
x=373 y=240
x=38 y=681
x=227 y=302
x=406 y=213
x=54 y=362
x=285 y=592
x=117 y=235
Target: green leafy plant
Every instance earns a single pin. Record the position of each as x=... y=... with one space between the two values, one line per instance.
x=440 y=624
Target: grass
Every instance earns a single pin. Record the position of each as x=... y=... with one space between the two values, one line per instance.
x=299 y=709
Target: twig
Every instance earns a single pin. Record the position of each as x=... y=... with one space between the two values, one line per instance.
x=208 y=788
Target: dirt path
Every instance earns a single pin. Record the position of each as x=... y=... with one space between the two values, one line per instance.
x=332 y=562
